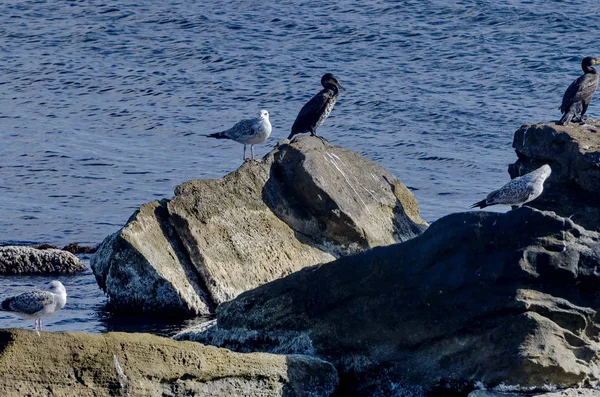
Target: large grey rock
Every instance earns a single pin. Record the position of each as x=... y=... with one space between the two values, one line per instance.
x=573 y=153
x=562 y=393
x=478 y=297
x=145 y=267
x=29 y=260
x=120 y=364
x=306 y=203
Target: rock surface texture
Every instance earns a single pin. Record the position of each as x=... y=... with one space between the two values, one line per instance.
x=561 y=393
x=479 y=297
x=29 y=260
x=306 y=203
x=118 y=364
x=573 y=153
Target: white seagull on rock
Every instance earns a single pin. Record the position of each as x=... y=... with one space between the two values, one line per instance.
x=248 y=132
x=37 y=304
x=519 y=191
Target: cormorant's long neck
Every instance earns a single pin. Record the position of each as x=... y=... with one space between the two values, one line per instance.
x=332 y=87
x=589 y=69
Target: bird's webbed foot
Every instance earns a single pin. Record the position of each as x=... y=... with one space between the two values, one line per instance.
x=320 y=137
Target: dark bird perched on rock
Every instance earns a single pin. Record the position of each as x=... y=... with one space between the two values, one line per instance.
x=579 y=94
x=518 y=191
x=315 y=112
x=248 y=132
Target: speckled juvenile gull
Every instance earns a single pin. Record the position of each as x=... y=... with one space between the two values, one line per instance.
x=519 y=191
x=248 y=132
x=36 y=304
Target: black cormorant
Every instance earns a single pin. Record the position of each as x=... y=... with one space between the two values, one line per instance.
x=314 y=113
x=579 y=94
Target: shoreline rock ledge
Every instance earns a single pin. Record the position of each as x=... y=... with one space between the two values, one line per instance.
x=77 y=364
x=573 y=153
x=306 y=203
x=479 y=299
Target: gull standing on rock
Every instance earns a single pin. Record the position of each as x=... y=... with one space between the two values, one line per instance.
x=316 y=111
x=518 y=191
x=248 y=132
x=37 y=304
x=578 y=96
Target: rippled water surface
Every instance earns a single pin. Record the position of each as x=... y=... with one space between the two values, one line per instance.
x=103 y=104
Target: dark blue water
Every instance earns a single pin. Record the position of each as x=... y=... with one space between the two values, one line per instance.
x=103 y=103
x=86 y=309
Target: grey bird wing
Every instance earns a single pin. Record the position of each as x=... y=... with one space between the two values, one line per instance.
x=514 y=192
x=29 y=302
x=311 y=112
x=241 y=130
x=580 y=90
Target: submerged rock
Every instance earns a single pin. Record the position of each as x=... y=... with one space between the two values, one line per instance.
x=307 y=203
x=29 y=260
x=573 y=153
x=120 y=364
x=478 y=297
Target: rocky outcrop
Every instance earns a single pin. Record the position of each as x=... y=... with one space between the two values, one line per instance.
x=119 y=364
x=29 y=260
x=479 y=297
x=307 y=203
x=573 y=153
x=144 y=266
x=561 y=393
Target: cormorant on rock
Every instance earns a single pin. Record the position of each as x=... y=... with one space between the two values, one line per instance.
x=315 y=112
x=518 y=191
x=248 y=132
x=579 y=94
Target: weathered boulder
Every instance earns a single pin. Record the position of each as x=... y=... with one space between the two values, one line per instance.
x=145 y=267
x=478 y=297
x=28 y=260
x=561 y=393
x=573 y=153
x=120 y=364
x=306 y=203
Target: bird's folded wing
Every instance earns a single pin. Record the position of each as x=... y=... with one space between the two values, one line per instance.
x=311 y=112
x=30 y=302
x=240 y=129
x=514 y=192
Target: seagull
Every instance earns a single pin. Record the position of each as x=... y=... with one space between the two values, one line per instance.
x=578 y=96
x=36 y=304
x=518 y=191
x=316 y=111
x=248 y=132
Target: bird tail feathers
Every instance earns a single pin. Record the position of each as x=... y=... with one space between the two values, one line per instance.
x=566 y=118
x=5 y=305
x=218 y=135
